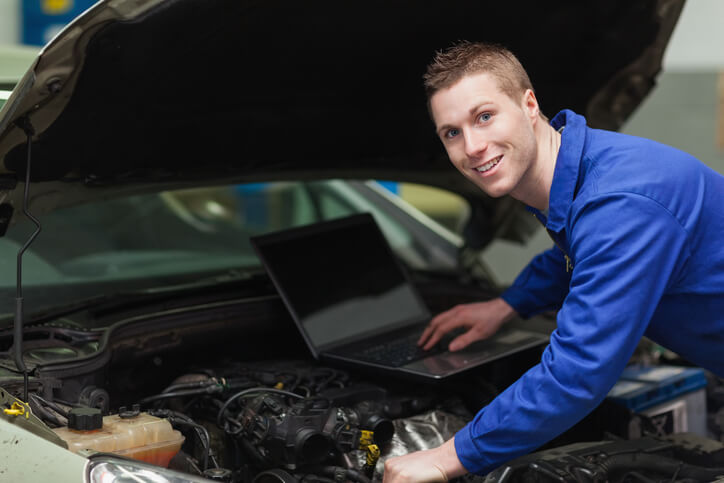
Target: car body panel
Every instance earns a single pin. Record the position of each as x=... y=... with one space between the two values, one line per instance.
x=19 y=462
x=134 y=93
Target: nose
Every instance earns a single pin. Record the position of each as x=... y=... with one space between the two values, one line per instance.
x=475 y=144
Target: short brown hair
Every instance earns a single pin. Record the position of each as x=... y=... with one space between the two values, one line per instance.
x=466 y=58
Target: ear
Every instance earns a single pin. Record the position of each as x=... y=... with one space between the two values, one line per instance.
x=530 y=105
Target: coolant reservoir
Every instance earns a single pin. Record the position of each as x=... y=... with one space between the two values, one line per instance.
x=139 y=436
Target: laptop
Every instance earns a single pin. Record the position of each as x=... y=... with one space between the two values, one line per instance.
x=354 y=304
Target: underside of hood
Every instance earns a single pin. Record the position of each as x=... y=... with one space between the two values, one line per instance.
x=190 y=90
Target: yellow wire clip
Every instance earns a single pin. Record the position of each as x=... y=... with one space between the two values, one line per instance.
x=366 y=438
x=17 y=409
x=373 y=455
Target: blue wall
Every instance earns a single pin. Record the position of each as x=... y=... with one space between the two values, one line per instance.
x=42 y=19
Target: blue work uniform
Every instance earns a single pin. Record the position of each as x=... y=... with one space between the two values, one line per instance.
x=639 y=229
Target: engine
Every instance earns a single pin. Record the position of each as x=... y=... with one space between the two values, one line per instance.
x=258 y=422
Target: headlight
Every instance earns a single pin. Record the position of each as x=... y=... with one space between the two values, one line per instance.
x=109 y=469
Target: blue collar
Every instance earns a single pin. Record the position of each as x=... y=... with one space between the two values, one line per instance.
x=565 y=176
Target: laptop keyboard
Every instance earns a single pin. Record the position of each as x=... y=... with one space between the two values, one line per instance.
x=399 y=352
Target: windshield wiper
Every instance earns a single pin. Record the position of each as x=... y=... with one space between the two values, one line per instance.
x=109 y=303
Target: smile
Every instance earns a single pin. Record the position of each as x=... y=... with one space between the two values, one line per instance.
x=489 y=165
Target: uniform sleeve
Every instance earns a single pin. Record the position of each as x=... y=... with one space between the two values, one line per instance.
x=627 y=250
x=541 y=286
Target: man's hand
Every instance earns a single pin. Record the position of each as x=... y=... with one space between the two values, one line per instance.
x=432 y=465
x=482 y=320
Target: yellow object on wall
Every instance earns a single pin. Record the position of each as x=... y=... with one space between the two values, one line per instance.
x=56 y=7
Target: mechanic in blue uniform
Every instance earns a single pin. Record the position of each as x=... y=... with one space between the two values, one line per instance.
x=639 y=250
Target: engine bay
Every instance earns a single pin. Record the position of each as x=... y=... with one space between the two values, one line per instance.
x=225 y=390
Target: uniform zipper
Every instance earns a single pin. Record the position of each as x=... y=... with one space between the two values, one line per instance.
x=569 y=263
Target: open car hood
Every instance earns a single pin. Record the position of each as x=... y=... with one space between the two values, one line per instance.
x=149 y=94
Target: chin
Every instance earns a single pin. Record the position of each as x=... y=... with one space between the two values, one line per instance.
x=497 y=194
x=495 y=191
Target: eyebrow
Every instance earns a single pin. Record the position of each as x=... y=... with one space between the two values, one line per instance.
x=478 y=106
x=471 y=111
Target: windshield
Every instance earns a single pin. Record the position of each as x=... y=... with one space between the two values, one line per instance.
x=174 y=236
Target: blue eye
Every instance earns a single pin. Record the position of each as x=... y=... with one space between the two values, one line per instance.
x=451 y=133
x=485 y=117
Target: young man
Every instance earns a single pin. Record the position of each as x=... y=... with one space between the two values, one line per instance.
x=639 y=235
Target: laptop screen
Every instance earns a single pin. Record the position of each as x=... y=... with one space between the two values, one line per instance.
x=340 y=280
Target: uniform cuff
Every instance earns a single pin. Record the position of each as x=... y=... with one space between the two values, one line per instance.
x=518 y=299
x=468 y=454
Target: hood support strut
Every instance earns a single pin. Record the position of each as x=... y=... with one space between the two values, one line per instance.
x=27 y=127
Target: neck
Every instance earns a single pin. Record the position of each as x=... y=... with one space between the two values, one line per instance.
x=537 y=188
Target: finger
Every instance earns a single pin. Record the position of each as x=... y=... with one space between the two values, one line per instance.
x=433 y=336
x=425 y=334
x=464 y=340
x=434 y=323
x=443 y=329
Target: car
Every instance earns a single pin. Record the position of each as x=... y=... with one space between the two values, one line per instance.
x=151 y=139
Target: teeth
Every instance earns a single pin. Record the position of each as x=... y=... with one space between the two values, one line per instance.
x=488 y=165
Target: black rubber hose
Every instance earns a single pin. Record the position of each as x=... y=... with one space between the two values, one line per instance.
x=636 y=476
x=658 y=464
x=181 y=419
x=203 y=434
x=52 y=406
x=43 y=413
x=335 y=471
x=189 y=385
x=171 y=395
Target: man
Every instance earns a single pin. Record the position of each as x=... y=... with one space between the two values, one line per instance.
x=639 y=235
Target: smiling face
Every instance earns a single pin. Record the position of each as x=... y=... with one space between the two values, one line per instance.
x=489 y=137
